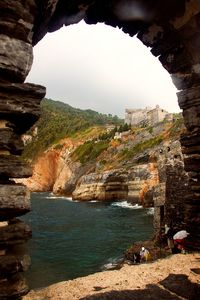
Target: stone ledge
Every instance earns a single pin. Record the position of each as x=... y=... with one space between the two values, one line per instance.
x=16 y=58
x=12 y=166
x=189 y=97
x=20 y=104
x=14 y=201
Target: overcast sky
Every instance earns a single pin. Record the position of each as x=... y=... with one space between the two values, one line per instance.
x=101 y=68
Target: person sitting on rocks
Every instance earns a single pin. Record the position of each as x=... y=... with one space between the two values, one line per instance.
x=180 y=240
x=145 y=255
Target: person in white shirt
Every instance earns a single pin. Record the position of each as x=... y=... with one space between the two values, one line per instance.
x=144 y=254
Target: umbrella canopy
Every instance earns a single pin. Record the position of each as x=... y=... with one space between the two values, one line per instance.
x=180 y=235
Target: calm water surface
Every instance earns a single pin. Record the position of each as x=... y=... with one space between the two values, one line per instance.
x=73 y=239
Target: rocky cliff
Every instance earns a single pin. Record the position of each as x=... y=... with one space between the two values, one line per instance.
x=45 y=172
x=134 y=185
x=55 y=171
x=128 y=168
x=109 y=185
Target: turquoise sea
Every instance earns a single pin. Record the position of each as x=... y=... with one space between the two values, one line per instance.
x=73 y=239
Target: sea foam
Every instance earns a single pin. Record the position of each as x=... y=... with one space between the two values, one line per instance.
x=125 y=204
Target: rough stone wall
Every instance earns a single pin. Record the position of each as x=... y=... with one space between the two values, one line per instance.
x=19 y=109
x=177 y=187
x=152 y=116
x=135 y=116
x=171 y=28
x=172 y=190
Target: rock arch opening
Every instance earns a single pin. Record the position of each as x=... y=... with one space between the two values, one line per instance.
x=170 y=29
x=97 y=66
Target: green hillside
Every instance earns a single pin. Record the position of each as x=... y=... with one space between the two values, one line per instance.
x=59 y=120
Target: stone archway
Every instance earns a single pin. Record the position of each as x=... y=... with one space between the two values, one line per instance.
x=171 y=29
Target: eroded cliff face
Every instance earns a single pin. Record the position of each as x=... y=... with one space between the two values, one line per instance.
x=118 y=184
x=69 y=173
x=141 y=181
x=109 y=185
x=55 y=171
x=45 y=172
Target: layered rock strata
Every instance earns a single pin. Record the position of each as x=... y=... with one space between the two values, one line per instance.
x=133 y=185
x=107 y=186
x=19 y=110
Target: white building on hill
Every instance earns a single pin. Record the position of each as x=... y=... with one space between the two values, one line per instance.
x=149 y=115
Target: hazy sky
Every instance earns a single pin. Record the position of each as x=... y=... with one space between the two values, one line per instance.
x=101 y=68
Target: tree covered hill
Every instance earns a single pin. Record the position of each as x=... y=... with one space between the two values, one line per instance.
x=59 y=120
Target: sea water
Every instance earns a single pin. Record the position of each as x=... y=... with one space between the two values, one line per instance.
x=73 y=239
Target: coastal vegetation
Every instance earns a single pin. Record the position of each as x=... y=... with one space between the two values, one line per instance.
x=97 y=138
x=177 y=127
x=141 y=147
x=59 y=120
x=89 y=151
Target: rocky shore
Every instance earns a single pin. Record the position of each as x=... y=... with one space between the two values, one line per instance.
x=175 y=277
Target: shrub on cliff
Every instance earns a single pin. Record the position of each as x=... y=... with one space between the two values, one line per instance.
x=89 y=151
x=128 y=153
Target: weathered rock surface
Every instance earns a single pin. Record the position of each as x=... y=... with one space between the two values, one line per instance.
x=20 y=104
x=119 y=184
x=10 y=141
x=13 y=287
x=55 y=171
x=19 y=109
x=10 y=264
x=44 y=173
x=18 y=20
x=109 y=185
x=69 y=173
x=14 y=201
x=141 y=180
x=14 y=232
x=16 y=58
x=12 y=166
